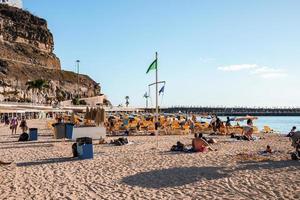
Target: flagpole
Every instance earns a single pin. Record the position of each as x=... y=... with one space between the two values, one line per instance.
x=147 y=101
x=156 y=81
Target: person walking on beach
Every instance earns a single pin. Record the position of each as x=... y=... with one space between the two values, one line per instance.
x=14 y=125
x=219 y=125
x=6 y=120
x=213 y=122
x=228 y=125
x=291 y=133
x=23 y=125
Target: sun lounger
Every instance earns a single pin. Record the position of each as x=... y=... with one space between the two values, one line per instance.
x=267 y=129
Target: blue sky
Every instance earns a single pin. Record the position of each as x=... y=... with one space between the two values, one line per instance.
x=210 y=52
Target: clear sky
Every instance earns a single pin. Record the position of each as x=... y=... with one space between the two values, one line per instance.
x=211 y=52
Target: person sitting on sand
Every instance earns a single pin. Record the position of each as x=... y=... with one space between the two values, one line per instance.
x=248 y=130
x=200 y=145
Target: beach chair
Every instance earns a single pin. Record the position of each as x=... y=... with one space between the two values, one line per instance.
x=255 y=129
x=186 y=129
x=49 y=124
x=175 y=125
x=237 y=130
x=151 y=128
x=267 y=129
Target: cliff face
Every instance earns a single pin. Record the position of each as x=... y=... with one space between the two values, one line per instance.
x=25 y=38
x=26 y=54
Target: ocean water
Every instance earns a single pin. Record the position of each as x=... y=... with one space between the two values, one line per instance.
x=280 y=124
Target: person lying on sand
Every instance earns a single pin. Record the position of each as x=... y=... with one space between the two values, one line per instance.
x=119 y=142
x=239 y=137
x=268 y=150
x=208 y=140
x=179 y=147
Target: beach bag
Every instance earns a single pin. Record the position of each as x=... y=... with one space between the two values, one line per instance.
x=23 y=137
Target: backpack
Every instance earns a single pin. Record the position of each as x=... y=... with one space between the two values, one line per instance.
x=23 y=137
x=74 y=150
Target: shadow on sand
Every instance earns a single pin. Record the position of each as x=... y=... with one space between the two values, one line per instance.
x=175 y=177
x=34 y=142
x=47 y=161
x=27 y=146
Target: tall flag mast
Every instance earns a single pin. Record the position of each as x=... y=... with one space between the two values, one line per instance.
x=154 y=66
x=156 y=82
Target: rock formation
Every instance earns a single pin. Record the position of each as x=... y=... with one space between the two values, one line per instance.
x=26 y=55
x=26 y=39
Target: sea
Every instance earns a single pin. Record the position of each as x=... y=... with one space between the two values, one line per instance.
x=278 y=124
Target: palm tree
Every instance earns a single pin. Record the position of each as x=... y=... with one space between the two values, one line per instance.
x=127 y=101
x=38 y=85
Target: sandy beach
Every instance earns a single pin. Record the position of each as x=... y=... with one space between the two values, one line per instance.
x=46 y=170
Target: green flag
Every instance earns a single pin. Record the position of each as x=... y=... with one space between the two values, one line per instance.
x=152 y=66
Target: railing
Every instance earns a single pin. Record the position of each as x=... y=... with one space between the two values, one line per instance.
x=22 y=104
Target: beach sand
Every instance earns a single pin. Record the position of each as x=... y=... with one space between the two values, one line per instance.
x=45 y=170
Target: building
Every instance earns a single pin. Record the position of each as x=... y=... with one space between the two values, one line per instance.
x=15 y=3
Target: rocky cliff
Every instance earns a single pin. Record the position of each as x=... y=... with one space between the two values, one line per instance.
x=25 y=38
x=26 y=55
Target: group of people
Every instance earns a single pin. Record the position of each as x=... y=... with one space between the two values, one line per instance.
x=199 y=144
x=13 y=124
x=216 y=123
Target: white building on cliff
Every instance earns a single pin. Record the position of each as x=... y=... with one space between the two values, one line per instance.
x=15 y=3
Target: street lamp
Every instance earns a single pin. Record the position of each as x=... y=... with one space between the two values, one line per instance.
x=78 y=61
